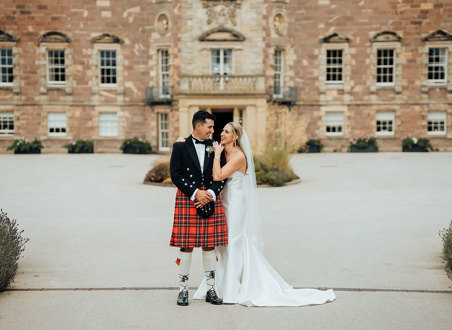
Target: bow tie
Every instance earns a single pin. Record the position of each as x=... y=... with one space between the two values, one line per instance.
x=197 y=141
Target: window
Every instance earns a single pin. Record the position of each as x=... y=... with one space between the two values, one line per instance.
x=278 y=73
x=56 y=67
x=334 y=123
x=57 y=123
x=385 y=67
x=385 y=123
x=334 y=66
x=6 y=66
x=221 y=61
x=163 y=132
x=221 y=64
x=108 y=124
x=6 y=123
x=436 y=123
x=107 y=67
x=164 y=73
x=437 y=67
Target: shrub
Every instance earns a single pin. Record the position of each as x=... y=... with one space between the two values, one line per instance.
x=273 y=167
x=135 y=146
x=421 y=143
x=312 y=144
x=80 y=147
x=446 y=236
x=364 y=142
x=12 y=244
x=159 y=173
x=22 y=146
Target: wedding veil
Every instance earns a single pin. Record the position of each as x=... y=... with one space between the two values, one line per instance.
x=253 y=221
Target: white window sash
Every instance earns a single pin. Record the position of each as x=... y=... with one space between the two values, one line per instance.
x=436 y=119
x=164 y=73
x=51 y=66
x=108 y=124
x=7 y=66
x=111 y=67
x=163 y=132
x=278 y=76
x=57 y=121
x=442 y=64
x=5 y=119
x=382 y=66
x=334 y=66
x=334 y=120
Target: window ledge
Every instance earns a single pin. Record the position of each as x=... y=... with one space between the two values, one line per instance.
x=437 y=134
x=105 y=138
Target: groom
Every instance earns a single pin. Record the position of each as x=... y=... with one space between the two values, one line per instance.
x=191 y=171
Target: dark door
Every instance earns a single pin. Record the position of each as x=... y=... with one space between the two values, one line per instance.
x=222 y=118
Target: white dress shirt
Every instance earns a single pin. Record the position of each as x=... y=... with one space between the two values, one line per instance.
x=201 y=152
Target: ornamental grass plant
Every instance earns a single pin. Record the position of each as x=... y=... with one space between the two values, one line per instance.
x=273 y=167
x=446 y=236
x=159 y=173
x=12 y=244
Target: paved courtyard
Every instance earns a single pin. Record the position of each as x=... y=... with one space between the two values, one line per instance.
x=365 y=225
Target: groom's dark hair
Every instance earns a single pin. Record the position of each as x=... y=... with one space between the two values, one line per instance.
x=201 y=116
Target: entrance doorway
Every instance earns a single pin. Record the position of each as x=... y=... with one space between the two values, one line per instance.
x=223 y=116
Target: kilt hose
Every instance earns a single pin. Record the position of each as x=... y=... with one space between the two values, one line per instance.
x=191 y=230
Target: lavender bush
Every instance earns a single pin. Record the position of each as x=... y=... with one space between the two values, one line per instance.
x=12 y=244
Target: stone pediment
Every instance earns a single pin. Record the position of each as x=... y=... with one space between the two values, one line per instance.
x=335 y=38
x=54 y=36
x=386 y=36
x=438 y=35
x=107 y=38
x=222 y=34
x=5 y=36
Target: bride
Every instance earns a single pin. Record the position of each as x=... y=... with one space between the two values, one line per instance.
x=243 y=274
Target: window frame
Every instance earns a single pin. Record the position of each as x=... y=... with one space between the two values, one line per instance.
x=7 y=114
x=100 y=67
x=164 y=74
x=393 y=66
x=49 y=114
x=7 y=84
x=443 y=113
x=330 y=113
x=386 y=114
x=166 y=130
x=102 y=129
x=445 y=64
x=280 y=72
x=342 y=65
x=48 y=67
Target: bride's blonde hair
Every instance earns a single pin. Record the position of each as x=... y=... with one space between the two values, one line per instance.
x=237 y=131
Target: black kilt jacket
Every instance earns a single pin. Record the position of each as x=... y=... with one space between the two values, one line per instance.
x=189 y=229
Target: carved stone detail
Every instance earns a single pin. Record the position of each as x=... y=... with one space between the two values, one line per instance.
x=162 y=24
x=221 y=12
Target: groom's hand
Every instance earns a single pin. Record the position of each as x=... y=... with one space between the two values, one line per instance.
x=202 y=198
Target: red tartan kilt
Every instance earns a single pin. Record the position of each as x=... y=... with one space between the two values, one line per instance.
x=191 y=230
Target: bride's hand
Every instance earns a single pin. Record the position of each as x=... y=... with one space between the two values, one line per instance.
x=218 y=148
x=180 y=139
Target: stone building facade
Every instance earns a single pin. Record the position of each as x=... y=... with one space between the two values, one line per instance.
x=288 y=70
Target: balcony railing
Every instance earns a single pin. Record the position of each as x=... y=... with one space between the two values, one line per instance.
x=158 y=95
x=222 y=84
x=284 y=94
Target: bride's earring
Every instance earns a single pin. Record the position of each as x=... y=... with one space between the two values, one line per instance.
x=235 y=143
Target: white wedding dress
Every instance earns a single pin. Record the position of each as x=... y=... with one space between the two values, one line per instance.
x=243 y=274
